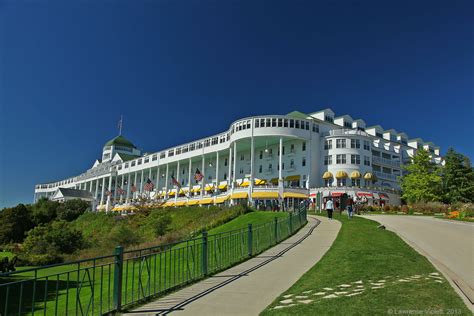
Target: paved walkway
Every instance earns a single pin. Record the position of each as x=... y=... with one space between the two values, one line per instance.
x=449 y=245
x=248 y=288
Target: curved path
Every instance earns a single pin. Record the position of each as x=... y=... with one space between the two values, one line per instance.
x=248 y=288
x=449 y=245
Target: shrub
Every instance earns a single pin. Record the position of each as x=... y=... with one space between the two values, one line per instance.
x=162 y=225
x=386 y=208
x=54 y=239
x=14 y=223
x=430 y=207
x=404 y=209
x=45 y=211
x=122 y=235
x=72 y=209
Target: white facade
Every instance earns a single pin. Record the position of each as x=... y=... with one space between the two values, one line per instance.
x=320 y=153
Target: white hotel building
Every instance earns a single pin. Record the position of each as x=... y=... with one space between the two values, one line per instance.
x=270 y=159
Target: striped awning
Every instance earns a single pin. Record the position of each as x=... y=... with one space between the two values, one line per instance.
x=180 y=203
x=209 y=187
x=206 y=201
x=245 y=184
x=260 y=181
x=239 y=195
x=369 y=176
x=265 y=195
x=355 y=174
x=366 y=194
x=341 y=175
x=192 y=202
x=172 y=193
x=168 y=203
x=295 y=195
x=295 y=177
x=222 y=186
x=327 y=175
x=222 y=199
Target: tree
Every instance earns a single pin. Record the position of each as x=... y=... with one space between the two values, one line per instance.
x=14 y=223
x=45 y=211
x=72 y=209
x=423 y=182
x=458 y=178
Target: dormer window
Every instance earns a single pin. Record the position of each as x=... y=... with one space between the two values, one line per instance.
x=328 y=118
x=347 y=125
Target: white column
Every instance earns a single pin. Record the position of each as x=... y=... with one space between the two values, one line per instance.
x=102 y=191
x=149 y=177
x=229 y=172
x=157 y=188
x=115 y=188
x=107 y=206
x=308 y=162
x=96 y=188
x=179 y=181
x=252 y=167
x=189 y=176
x=166 y=180
x=203 y=174
x=127 y=200
x=217 y=170
x=235 y=163
x=141 y=183
x=135 y=184
x=280 y=173
x=121 y=186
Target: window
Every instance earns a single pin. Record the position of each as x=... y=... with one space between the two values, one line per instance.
x=341 y=182
x=285 y=122
x=257 y=123
x=340 y=143
x=199 y=145
x=328 y=118
x=292 y=163
x=356 y=182
x=192 y=147
x=225 y=175
x=178 y=151
x=303 y=162
x=328 y=144
x=207 y=143
x=242 y=157
x=132 y=164
x=379 y=135
x=154 y=157
x=355 y=159
x=297 y=124
x=214 y=140
x=282 y=166
x=340 y=159
x=366 y=161
x=328 y=160
x=387 y=170
x=366 y=145
x=327 y=182
x=307 y=126
x=274 y=122
x=241 y=171
x=303 y=147
x=355 y=143
x=147 y=159
x=270 y=167
x=171 y=153
x=292 y=123
x=315 y=128
x=260 y=168
x=248 y=124
x=225 y=162
x=347 y=125
x=292 y=148
x=280 y=122
x=261 y=154
x=283 y=149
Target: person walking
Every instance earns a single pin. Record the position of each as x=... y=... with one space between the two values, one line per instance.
x=350 y=207
x=329 y=208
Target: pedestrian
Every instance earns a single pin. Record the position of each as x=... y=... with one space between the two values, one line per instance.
x=329 y=208
x=350 y=207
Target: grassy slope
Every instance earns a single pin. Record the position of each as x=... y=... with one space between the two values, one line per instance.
x=363 y=252
x=181 y=218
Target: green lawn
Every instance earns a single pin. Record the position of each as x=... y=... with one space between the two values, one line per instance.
x=154 y=273
x=363 y=254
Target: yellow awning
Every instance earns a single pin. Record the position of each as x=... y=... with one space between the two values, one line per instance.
x=260 y=181
x=198 y=189
x=172 y=193
x=369 y=176
x=239 y=195
x=168 y=203
x=209 y=188
x=206 y=201
x=355 y=174
x=265 y=195
x=223 y=186
x=341 y=175
x=222 y=199
x=295 y=195
x=245 y=184
x=293 y=178
x=327 y=175
x=192 y=202
x=180 y=203
x=274 y=181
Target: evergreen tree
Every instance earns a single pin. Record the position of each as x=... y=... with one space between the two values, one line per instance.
x=458 y=178
x=423 y=182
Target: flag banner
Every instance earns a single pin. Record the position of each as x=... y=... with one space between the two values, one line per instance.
x=120 y=191
x=198 y=175
x=175 y=182
x=148 y=185
x=134 y=188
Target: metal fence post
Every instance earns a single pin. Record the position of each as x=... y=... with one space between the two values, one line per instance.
x=276 y=229
x=204 y=254
x=249 y=239
x=118 y=272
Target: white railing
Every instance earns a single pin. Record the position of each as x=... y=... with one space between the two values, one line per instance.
x=394 y=163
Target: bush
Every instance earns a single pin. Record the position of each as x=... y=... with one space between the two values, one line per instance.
x=123 y=235
x=386 y=208
x=14 y=223
x=162 y=225
x=430 y=208
x=54 y=239
x=404 y=209
x=72 y=209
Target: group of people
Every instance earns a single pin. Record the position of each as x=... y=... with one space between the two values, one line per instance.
x=330 y=206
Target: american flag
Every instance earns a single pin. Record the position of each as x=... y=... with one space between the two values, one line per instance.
x=107 y=192
x=175 y=182
x=198 y=175
x=148 y=185
x=120 y=191
x=134 y=188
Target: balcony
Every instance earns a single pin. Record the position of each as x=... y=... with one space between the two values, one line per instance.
x=386 y=176
x=345 y=132
x=384 y=161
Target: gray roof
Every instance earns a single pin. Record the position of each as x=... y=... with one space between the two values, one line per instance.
x=79 y=194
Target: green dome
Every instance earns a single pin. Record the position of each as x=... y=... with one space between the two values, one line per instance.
x=120 y=141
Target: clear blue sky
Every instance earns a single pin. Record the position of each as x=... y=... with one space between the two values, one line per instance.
x=179 y=70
